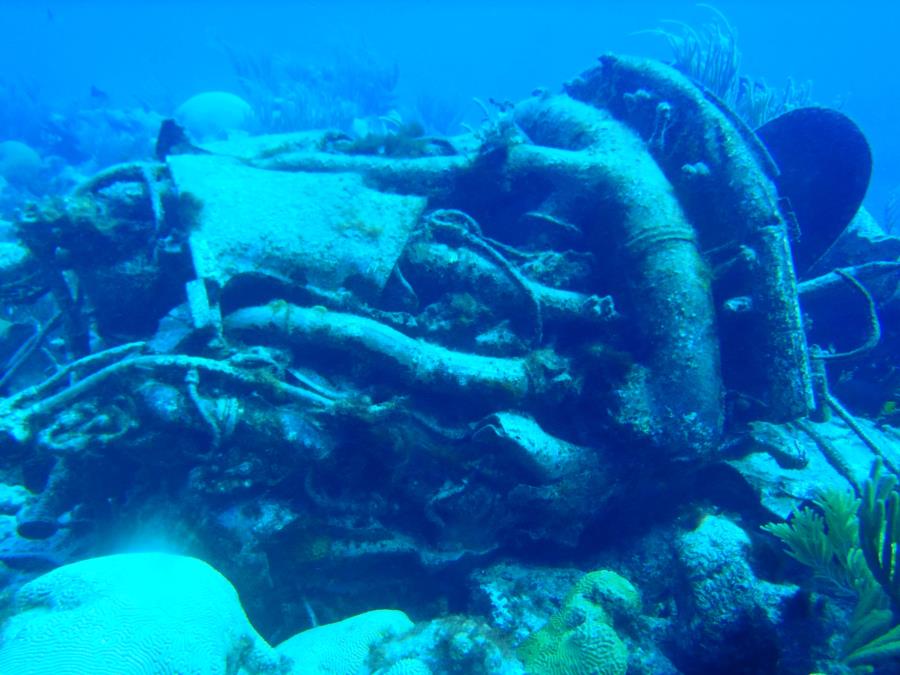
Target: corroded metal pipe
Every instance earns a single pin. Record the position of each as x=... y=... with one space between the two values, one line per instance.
x=622 y=200
x=724 y=180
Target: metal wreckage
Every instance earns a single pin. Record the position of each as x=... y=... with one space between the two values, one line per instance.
x=388 y=359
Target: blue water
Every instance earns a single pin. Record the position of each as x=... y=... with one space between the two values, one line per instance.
x=160 y=53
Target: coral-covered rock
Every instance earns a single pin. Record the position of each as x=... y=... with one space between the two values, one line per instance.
x=726 y=614
x=344 y=646
x=451 y=645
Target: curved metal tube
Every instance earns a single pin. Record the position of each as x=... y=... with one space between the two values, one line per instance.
x=621 y=191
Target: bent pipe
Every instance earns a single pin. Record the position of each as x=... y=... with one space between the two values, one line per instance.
x=669 y=285
x=434 y=177
x=621 y=199
x=508 y=381
x=733 y=199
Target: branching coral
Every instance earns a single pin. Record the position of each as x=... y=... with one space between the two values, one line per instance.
x=288 y=95
x=852 y=546
x=709 y=55
x=879 y=530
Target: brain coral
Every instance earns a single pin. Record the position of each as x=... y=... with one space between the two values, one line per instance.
x=343 y=647
x=591 y=648
x=606 y=592
x=19 y=164
x=580 y=638
x=212 y=115
x=132 y=614
x=407 y=667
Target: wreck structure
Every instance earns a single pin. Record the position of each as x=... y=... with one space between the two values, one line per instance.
x=387 y=360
